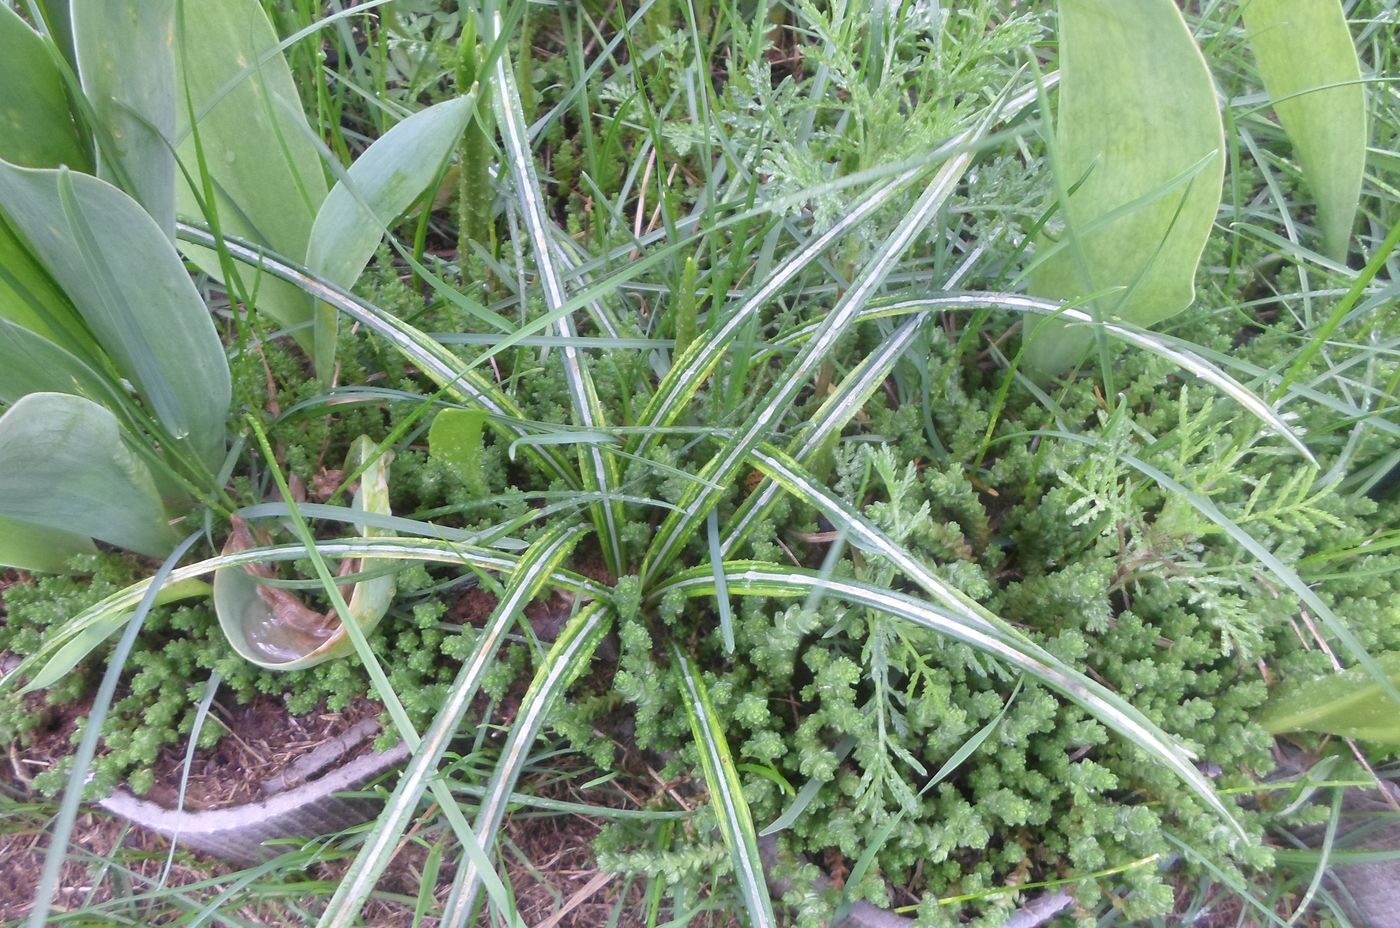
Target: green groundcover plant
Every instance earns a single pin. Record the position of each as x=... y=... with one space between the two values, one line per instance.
x=746 y=339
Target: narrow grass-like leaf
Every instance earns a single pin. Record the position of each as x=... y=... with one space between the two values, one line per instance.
x=1179 y=352
x=1348 y=704
x=700 y=498
x=36 y=127
x=531 y=575
x=599 y=469
x=133 y=292
x=382 y=184
x=261 y=154
x=1138 y=126
x=65 y=467
x=828 y=421
x=567 y=658
x=763 y=579
x=126 y=59
x=1308 y=63
x=726 y=794
x=373 y=669
x=693 y=365
x=432 y=359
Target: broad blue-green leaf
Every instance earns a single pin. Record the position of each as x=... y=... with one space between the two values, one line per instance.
x=260 y=152
x=272 y=627
x=64 y=466
x=455 y=439
x=1308 y=63
x=30 y=363
x=380 y=186
x=36 y=126
x=30 y=298
x=126 y=61
x=127 y=281
x=33 y=547
x=1140 y=149
x=1348 y=704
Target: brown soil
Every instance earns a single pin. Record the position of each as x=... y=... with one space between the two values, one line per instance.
x=548 y=859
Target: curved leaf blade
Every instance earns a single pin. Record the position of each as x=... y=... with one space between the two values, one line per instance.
x=531 y=575
x=259 y=150
x=567 y=658
x=132 y=290
x=726 y=794
x=126 y=61
x=1308 y=63
x=1139 y=132
x=762 y=579
x=36 y=127
x=65 y=467
x=381 y=185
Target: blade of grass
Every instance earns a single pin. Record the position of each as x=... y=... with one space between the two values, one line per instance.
x=380 y=681
x=726 y=794
x=533 y=572
x=567 y=658
x=599 y=469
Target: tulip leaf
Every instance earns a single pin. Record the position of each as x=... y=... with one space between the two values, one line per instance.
x=1308 y=63
x=381 y=185
x=260 y=152
x=129 y=284
x=36 y=126
x=64 y=467
x=30 y=298
x=33 y=547
x=126 y=61
x=1349 y=704
x=1140 y=152
x=30 y=363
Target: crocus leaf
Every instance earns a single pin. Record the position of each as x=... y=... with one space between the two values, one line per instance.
x=33 y=547
x=455 y=439
x=1308 y=63
x=36 y=125
x=272 y=627
x=259 y=151
x=381 y=184
x=65 y=467
x=127 y=281
x=126 y=61
x=1349 y=704
x=1140 y=146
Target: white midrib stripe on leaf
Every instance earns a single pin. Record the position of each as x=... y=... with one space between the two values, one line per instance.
x=588 y=412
